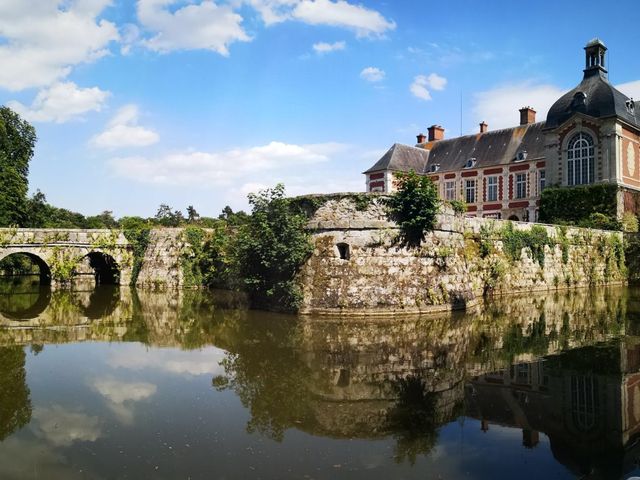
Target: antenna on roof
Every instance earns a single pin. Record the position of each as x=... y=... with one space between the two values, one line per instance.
x=460 y=112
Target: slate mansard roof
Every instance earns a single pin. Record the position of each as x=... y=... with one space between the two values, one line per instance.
x=402 y=158
x=496 y=147
x=596 y=97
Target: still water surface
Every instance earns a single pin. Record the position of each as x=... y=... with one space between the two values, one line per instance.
x=113 y=383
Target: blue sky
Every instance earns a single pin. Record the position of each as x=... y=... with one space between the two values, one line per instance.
x=138 y=103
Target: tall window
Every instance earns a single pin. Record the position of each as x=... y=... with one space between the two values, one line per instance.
x=492 y=189
x=580 y=160
x=450 y=190
x=542 y=178
x=470 y=191
x=584 y=402
x=521 y=185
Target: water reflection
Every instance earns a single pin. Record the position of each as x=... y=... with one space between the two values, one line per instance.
x=560 y=370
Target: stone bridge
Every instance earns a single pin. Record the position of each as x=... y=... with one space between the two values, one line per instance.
x=65 y=255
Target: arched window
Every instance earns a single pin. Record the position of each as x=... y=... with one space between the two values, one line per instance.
x=580 y=160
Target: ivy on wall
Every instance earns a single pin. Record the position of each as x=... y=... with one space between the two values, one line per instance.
x=592 y=206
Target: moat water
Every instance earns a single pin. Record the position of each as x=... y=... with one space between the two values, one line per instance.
x=112 y=383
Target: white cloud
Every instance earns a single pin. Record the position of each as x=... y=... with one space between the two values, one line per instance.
x=372 y=74
x=194 y=362
x=323 y=47
x=129 y=37
x=120 y=396
x=61 y=102
x=273 y=11
x=630 y=89
x=118 y=391
x=123 y=131
x=499 y=106
x=422 y=85
x=40 y=41
x=62 y=427
x=204 y=25
x=221 y=168
x=339 y=13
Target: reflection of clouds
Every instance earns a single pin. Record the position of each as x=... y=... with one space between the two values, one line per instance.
x=119 y=395
x=21 y=459
x=119 y=392
x=192 y=362
x=62 y=427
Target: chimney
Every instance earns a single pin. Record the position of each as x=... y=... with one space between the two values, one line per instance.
x=421 y=137
x=527 y=116
x=484 y=127
x=436 y=132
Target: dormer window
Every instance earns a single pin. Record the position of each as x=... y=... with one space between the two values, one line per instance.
x=470 y=163
x=434 y=168
x=631 y=106
x=521 y=156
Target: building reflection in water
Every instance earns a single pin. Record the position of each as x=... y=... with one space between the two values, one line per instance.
x=563 y=365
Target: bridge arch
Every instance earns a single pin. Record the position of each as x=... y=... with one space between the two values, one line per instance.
x=106 y=270
x=43 y=266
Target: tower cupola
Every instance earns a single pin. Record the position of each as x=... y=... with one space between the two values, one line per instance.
x=595 y=53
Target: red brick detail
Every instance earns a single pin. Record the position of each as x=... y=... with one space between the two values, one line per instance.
x=500 y=188
x=518 y=204
x=376 y=184
x=491 y=171
x=517 y=168
x=541 y=164
x=510 y=187
x=470 y=174
x=375 y=176
x=434 y=178
x=450 y=175
x=471 y=208
x=492 y=206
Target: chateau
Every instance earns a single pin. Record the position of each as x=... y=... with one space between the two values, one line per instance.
x=591 y=135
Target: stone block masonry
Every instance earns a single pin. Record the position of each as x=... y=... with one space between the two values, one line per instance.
x=359 y=267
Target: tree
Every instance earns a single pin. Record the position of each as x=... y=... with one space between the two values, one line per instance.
x=414 y=207
x=192 y=215
x=17 y=143
x=167 y=217
x=271 y=247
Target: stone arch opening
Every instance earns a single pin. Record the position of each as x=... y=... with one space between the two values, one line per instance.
x=24 y=301
x=514 y=218
x=25 y=265
x=105 y=268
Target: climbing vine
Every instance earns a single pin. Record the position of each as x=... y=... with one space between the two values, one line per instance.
x=138 y=238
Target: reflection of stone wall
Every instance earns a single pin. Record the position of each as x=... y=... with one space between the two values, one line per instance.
x=445 y=272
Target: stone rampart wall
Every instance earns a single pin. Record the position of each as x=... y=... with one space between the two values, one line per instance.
x=360 y=267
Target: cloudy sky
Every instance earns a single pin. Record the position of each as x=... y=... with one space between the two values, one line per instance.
x=198 y=102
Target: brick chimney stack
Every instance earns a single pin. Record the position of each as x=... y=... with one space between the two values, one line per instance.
x=484 y=127
x=436 y=132
x=527 y=116
x=421 y=137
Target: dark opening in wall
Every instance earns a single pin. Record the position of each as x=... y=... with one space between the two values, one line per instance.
x=344 y=251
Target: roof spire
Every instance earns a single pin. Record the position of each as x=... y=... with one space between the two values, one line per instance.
x=595 y=52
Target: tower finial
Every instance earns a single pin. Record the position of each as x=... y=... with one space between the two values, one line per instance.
x=595 y=52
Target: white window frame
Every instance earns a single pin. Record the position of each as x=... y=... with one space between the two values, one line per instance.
x=520 y=185
x=470 y=191
x=581 y=159
x=449 y=189
x=492 y=187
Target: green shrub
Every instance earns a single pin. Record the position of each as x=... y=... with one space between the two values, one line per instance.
x=270 y=249
x=534 y=240
x=458 y=206
x=629 y=222
x=414 y=207
x=576 y=205
x=137 y=234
